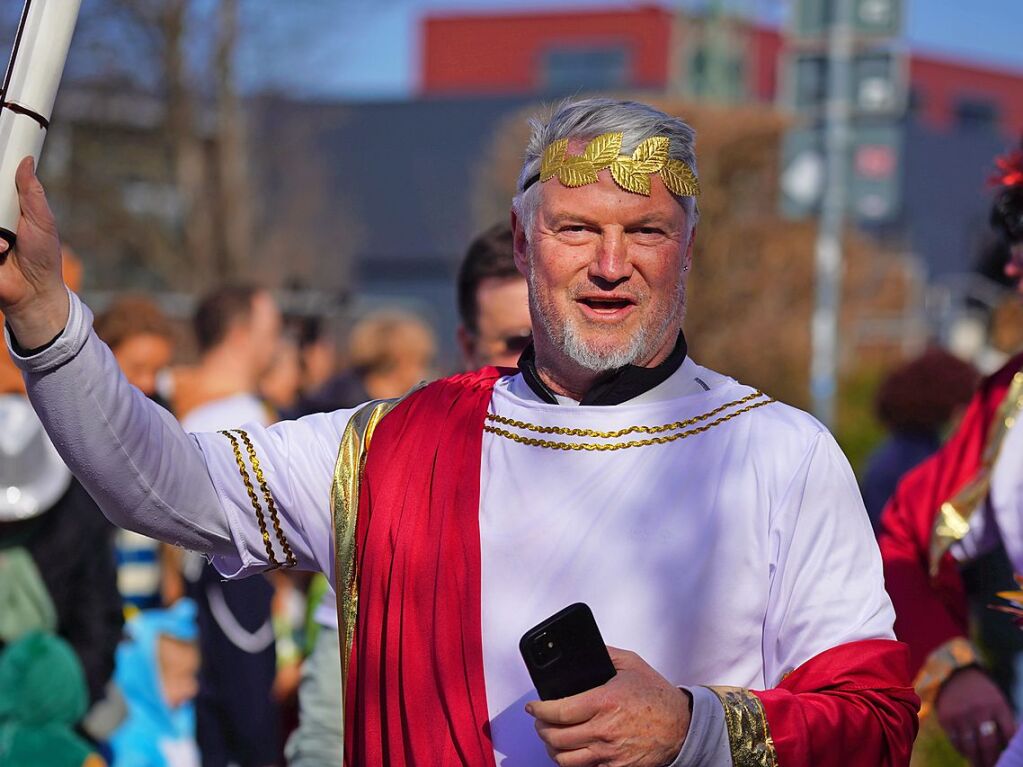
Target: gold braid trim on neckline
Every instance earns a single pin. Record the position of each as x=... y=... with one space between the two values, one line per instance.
x=753 y=399
x=749 y=734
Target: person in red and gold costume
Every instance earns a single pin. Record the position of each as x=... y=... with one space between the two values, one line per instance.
x=717 y=535
x=955 y=507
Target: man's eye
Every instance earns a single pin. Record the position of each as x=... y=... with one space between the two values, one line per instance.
x=649 y=230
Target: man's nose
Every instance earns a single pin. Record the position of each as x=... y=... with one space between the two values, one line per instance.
x=611 y=261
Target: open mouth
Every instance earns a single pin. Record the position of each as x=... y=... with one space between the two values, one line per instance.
x=606 y=306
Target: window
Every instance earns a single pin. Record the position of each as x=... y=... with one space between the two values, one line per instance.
x=976 y=113
x=566 y=70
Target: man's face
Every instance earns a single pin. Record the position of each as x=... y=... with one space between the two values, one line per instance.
x=502 y=323
x=605 y=269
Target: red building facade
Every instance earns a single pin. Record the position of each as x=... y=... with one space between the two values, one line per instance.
x=652 y=48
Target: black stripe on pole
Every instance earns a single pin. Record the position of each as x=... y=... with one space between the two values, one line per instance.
x=14 y=52
x=18 y=109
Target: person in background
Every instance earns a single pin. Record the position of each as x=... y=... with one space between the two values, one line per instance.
x=493 y=302
x=42 y=697
x=142 y=340
x=57 y=562
x=955 y=508
x=238 y=331
x=317 y=349
x=916 y=402
x=157 y=670
x=280 y=387
x=389 y=350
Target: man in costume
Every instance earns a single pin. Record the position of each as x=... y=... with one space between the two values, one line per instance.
x=959 y=504
x=716 y=534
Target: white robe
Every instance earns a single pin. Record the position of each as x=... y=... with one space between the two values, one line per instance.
x=726 y=557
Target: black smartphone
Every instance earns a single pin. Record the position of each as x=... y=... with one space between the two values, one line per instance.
x=565 y=654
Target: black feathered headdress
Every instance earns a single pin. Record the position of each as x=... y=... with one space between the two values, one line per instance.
x=1007 y=212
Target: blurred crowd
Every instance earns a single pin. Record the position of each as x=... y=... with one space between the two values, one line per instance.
x=161 y=662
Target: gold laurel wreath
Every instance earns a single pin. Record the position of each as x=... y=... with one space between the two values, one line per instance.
x=631 y=173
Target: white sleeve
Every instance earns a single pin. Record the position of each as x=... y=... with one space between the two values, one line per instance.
x=142 y=470
x=148 y=475
x=826 y=588
x=274 y=485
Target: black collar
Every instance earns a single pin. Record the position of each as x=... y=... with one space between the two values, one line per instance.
x=615 y=387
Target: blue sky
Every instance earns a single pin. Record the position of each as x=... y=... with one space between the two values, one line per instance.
x=369 y=48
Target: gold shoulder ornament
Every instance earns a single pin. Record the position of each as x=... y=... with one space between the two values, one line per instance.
x=631 y=172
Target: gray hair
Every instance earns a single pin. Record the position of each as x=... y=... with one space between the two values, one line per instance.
x=589 y=118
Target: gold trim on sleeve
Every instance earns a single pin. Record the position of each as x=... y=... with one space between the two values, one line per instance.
x=603 y=446
x=247 y=481
x=948 y=658
x=344 y=501
x=749 y=734
x=290 y=560
x=953 y=520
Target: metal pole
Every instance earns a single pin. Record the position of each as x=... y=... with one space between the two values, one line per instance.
x=828 y=257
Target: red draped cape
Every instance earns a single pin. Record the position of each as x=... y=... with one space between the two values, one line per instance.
x=416 y=694
x=931 y=611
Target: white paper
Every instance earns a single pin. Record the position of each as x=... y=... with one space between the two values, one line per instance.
x=20 y=136
x=42 y=54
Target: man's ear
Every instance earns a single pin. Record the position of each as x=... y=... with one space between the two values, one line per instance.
x=519 y=244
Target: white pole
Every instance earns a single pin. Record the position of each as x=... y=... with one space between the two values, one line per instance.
x=828 y=260
x=29 y=89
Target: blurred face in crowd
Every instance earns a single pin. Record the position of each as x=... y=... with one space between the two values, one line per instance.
x=606 y=278
x=142 y=357
x=179 y=670
x=281 y=384
x=264 y=331
x=502 y=324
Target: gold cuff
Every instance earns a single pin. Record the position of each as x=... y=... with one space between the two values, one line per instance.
x=748 y=732
x=948 y=658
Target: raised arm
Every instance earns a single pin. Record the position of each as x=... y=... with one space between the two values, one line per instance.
x=252 y=498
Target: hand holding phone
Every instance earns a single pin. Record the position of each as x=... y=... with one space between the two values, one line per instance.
x=565 y=654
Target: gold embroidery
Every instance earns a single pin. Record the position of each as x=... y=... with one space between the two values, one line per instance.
x=290 y=560
x=344 y=500
x=748 y=732
x=600 y=447
x=955 y=654
x=247 y=481
x=953 y=520
x=631 y=173
x=621 y=432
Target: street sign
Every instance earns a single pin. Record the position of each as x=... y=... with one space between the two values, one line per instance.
x=871 y=18
x=877 y=84
x=874 y=173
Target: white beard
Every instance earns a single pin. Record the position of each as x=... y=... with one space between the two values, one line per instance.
x=571 y=342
